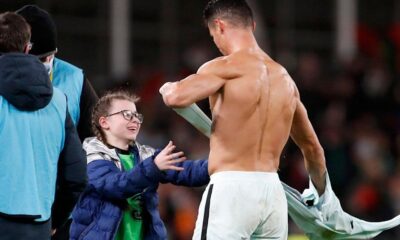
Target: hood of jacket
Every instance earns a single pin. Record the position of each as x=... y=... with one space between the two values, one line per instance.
x=94 y=146
x=24 y=81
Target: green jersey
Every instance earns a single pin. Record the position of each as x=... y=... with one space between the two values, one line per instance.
x=131 y=226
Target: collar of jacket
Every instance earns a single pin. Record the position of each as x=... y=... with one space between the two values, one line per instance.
x=94 y=146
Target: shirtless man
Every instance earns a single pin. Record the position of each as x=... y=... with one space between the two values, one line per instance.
x=255 y=108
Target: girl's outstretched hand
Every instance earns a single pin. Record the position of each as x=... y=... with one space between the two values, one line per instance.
x=167 y=159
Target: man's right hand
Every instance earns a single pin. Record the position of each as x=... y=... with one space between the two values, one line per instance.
x=164 y=88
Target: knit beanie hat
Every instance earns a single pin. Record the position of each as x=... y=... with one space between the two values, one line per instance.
x=43 y=28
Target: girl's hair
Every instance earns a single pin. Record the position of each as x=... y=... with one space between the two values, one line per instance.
x=103 y=106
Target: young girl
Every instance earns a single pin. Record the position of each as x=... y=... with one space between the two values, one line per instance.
x=121 y=200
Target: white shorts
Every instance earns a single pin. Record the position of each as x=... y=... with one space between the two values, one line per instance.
x=242 y=206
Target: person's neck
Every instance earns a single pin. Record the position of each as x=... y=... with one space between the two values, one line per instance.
x=242 y=40
x=117 y=143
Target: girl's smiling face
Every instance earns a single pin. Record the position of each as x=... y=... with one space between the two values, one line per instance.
x=119 y=130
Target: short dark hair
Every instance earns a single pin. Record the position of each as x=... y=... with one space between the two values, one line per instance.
x=15 y=33
x=237 y=12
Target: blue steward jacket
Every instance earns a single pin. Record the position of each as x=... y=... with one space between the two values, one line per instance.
x=40 y=146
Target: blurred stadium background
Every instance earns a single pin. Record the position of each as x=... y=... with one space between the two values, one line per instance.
x=342 y=54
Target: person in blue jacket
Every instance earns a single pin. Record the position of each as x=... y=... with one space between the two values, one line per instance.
x=70 y=79
x=38 y=140
x=121 y=200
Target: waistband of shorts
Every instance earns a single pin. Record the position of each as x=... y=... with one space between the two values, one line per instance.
x=244 y=176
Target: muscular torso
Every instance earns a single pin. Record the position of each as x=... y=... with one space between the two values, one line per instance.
x=252 y=115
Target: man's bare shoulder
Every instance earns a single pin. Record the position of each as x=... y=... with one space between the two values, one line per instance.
x=276 y=69
x=222 y=67
x=275 y=66
x=211 y=66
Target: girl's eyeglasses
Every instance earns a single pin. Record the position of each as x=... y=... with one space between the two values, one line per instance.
x=129 y=115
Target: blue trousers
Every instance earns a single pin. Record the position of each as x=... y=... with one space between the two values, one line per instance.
x=24 y=229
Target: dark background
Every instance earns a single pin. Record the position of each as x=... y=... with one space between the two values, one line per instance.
x=352 y=97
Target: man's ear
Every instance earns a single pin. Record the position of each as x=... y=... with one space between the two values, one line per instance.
x=220 y=25
x=254 y=26
x=104 y=123
x=27 y=49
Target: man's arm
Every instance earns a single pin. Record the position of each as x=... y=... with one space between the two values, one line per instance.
x=88 y=99
x=190 y=90
x=195 y=87
x=304 y=136
x=71 y=175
